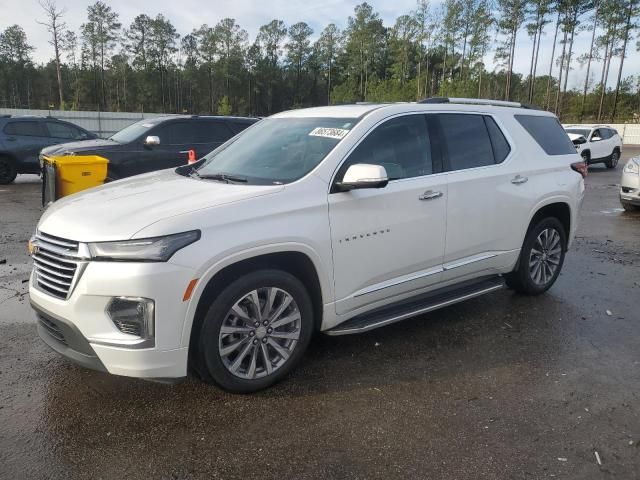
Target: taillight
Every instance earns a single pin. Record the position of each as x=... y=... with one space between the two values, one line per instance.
x=581 y=167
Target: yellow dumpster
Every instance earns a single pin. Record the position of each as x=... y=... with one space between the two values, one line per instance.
x=62 y=176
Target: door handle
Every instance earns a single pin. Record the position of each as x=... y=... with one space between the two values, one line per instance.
x=519 y=179
x=430 y=195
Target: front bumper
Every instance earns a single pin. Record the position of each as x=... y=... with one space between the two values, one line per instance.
x=630 y=188
x=79 y=328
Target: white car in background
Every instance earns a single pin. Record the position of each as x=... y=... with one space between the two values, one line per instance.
x=630 y=185
x=596 y=143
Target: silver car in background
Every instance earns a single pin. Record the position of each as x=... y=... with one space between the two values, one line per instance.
x=630 y=185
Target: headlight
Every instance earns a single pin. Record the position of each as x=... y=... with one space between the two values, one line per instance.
x=157 y=249
x=633 y=166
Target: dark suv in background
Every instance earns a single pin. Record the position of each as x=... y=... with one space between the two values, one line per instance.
x=22 y=138
x=156 y=143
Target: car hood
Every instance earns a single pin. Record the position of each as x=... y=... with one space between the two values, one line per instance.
x=575 y=136
x=117 y=210
x=78 y=147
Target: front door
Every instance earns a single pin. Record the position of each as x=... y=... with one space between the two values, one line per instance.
x=388 y=243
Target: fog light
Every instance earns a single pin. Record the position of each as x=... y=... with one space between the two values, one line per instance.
x=134 y=316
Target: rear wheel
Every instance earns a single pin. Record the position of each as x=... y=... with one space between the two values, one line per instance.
x=613 y=161
x=255 y=332
x=541 y=258
x=8 y=171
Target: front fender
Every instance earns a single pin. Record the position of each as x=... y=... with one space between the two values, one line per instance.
x=227 y=260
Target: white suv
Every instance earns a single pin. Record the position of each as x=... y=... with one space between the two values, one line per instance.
x=334 y=219
x=596 y=143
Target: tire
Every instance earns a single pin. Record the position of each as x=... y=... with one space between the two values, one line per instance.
x=629 y=207
x=528 y=280
x=267 y=356
x=8 y=171
x=613 y=161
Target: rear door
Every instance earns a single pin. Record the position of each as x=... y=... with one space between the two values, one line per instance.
x=26 y=138
x=485 y=206
x=388 y=242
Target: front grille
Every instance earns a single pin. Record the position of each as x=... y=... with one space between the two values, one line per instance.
x=55 y=263
x=52 y=329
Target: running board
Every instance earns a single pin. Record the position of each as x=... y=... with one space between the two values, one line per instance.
x=424 y=303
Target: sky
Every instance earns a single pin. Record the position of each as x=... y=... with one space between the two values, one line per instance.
x=251 y=14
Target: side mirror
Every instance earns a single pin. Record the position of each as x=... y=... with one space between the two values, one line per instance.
x=595 y=139
x=152 y=140
x=363 y=175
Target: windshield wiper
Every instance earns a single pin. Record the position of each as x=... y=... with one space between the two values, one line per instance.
x=225 y=177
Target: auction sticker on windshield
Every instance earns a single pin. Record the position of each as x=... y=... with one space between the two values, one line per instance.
x=337 y=133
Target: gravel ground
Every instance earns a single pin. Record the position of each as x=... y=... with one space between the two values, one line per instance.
x=502 y=386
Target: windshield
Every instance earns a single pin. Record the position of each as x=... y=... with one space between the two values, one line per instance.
x=130 y=133
x=578 y=131
x=277 y=150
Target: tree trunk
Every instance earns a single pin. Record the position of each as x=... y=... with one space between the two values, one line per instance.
x=586 y=78
x=602 y=77
x=535 y=63
x=568 y=68
x=533 y=55
x=553 y=53
x=627 y=30
x=562 y=58
x=58 y=72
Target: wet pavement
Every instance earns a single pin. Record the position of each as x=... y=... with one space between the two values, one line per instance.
x=502 y=386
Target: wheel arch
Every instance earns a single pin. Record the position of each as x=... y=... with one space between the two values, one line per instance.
x=296 y=260
x=557 y=207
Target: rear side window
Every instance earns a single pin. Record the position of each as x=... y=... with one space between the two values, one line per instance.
x=237 y=127
x=61 y=130
x=466 y=140
x=211 y=132
x=548 y=133
x=500 y=145
x=29 y=129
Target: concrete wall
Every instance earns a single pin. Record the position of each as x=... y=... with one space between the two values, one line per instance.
x=104 y=124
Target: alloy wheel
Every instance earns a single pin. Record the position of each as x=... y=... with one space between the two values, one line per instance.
x=545 y=256
x=259 y=333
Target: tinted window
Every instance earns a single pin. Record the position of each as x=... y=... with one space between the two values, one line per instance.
x=400 y=145
x=548 y=133
x=466 y=140
x=237 y=127
x=606 y=133
x=174 y=133
x=30 y=129
x=500 y=145
x=62 y=130
x=210 y=132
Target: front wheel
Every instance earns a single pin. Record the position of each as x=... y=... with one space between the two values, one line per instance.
x=8 y=171
x=541 y=258
x=255 y=332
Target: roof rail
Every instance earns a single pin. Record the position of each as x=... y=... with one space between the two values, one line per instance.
x=476 y=101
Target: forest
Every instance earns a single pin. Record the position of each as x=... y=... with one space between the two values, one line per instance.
x=459 y=48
